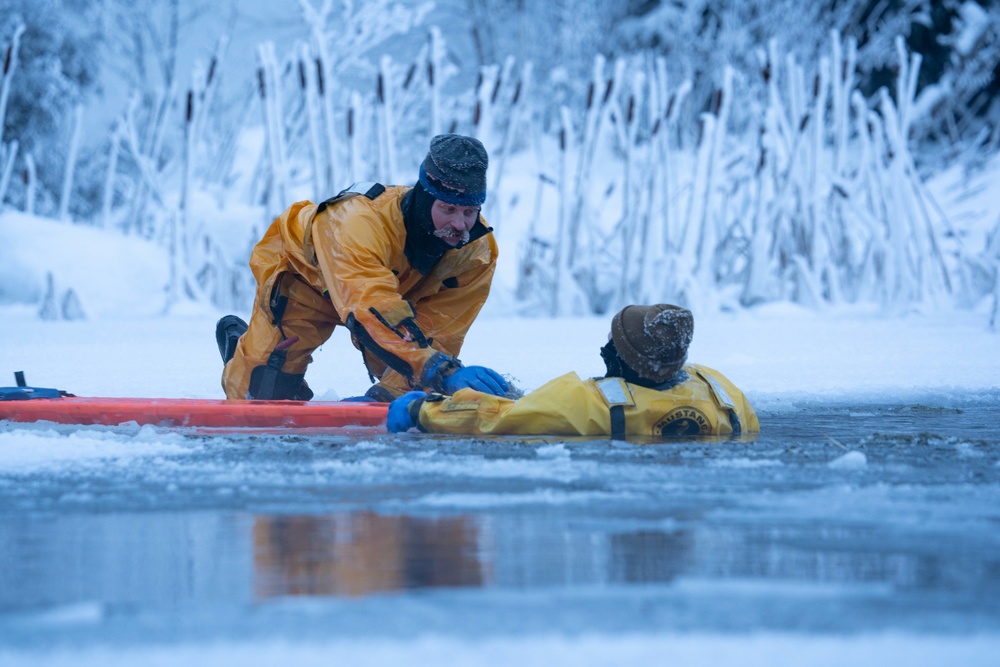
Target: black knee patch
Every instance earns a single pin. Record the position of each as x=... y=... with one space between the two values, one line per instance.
x=269 y=384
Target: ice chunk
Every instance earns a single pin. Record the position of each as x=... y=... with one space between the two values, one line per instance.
x=850 y=460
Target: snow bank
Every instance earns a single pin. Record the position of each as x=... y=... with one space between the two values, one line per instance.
x=781 y=356
x=24 y=451
x=111 y=274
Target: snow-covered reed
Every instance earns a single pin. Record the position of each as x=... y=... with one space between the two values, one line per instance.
x=8 y=152
x=816 y=200
x=806 y=193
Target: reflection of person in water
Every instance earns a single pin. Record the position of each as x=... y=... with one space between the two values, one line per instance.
x=648 y=556
x=361 y=553
x=649 y=390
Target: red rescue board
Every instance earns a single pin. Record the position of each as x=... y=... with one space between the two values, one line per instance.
x=194 y=412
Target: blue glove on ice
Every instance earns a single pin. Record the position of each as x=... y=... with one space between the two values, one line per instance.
x=399 y=418
x=479 y=378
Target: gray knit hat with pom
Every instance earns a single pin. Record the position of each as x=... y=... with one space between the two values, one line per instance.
x=653 y=340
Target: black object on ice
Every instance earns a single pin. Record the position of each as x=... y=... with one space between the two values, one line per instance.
x=22 y=392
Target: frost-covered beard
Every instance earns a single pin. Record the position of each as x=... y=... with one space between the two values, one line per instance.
x=445 y=233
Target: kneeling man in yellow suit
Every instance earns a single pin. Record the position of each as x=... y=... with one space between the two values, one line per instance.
x=649 y=390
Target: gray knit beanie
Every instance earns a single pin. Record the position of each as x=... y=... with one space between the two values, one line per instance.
x=454 y=170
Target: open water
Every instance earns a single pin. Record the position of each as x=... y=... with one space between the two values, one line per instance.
x=838 y=519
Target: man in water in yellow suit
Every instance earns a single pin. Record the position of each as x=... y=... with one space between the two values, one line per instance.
x=649 y=390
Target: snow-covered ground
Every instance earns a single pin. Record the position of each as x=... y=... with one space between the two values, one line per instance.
x=778 y=354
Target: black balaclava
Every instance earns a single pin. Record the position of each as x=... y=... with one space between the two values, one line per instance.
x=422 y=249
x=619 y=369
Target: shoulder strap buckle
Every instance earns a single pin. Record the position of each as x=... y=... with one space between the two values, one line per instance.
x=618 y=396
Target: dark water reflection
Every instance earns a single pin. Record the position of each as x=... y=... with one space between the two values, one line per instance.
x=360 y=553
x=207 y=557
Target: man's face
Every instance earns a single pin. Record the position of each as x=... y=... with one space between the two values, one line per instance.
x=452 y=223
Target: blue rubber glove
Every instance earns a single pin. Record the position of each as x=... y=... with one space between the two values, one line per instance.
x=479 y=378
x=399 y=418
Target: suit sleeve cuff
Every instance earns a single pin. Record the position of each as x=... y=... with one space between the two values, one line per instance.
x=437 y=369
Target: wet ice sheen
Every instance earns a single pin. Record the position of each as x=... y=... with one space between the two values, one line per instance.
x=838 y=519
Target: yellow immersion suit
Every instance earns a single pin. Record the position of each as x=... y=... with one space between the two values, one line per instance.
x=344 y=264
x=704 y=403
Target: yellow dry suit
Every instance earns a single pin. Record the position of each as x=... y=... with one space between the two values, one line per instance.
x=700 y=401
x=344 y=263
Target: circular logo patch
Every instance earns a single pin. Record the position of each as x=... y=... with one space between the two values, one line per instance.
x=683 y=421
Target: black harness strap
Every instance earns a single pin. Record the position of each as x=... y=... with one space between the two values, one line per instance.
x=269 y=382
x=398 y=364
x=278 y=303
x=617 y=422
x=407 y=326
x=734 y=421
x=372 y=192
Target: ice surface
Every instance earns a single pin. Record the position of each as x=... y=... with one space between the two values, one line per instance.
x=691 y=650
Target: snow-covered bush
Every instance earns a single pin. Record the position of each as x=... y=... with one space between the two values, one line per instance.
x=49 y=66
x=699 y=165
